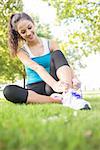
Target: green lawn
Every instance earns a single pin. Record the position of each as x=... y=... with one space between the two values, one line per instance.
x=49 y=127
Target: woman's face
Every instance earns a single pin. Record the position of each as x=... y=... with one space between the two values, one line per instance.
x=26 y=29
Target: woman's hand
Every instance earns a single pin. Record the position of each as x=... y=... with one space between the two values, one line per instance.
x=60 y=86
x=76 y=83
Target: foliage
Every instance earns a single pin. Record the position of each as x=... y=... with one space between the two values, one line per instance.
x=43 y=30
x=49 y=126
x=83 y=16
x=10 y=68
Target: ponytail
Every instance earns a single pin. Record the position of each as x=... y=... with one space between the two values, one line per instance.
x=13 y=38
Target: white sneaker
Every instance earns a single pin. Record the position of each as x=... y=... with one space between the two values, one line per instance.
x=74 y=100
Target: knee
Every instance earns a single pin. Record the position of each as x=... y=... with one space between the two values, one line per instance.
x=15 y=94
x=56 y=53
x=7 y=92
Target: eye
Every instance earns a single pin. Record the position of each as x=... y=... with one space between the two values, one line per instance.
x=30 y=27
x=22 y=32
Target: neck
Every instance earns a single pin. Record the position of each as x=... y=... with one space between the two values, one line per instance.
x=33 y=43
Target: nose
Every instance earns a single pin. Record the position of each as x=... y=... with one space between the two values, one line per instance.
x=28 y=32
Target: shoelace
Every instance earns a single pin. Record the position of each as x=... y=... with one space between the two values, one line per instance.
x=77 y=95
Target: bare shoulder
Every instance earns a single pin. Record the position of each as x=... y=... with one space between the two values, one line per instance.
x=22 y=51
x=53 y=45
x=21 y=54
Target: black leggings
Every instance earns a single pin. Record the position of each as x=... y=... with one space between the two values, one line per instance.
x=17 y=94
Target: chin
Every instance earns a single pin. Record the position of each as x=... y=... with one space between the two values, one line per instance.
x=31 y=40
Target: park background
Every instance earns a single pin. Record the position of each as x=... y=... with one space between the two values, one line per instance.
x=76 y=27
x=75 y=24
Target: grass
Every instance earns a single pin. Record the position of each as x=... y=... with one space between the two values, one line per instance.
x=49 y=127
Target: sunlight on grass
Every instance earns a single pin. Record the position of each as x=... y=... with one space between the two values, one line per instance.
x=49 y=126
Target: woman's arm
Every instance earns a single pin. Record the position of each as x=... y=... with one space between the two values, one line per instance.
x=55 y=85
x=37 y=68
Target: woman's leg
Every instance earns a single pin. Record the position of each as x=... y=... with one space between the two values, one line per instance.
x=38 y=87
x=34 y=97
x=59 y=69
x=62 y=68
x=20 y=95
x=64 y=74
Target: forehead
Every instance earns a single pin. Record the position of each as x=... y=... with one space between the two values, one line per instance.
x=23 y=24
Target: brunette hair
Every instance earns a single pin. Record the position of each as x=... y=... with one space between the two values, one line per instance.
x=14 y=36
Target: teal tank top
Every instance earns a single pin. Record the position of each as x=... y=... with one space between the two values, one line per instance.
x=32 y=76
x=44 y=60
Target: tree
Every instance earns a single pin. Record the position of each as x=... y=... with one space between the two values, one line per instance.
x=43 y=30
x=10 y=68
x=83 y=40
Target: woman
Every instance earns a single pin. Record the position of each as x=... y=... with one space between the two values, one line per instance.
x=46 y=67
